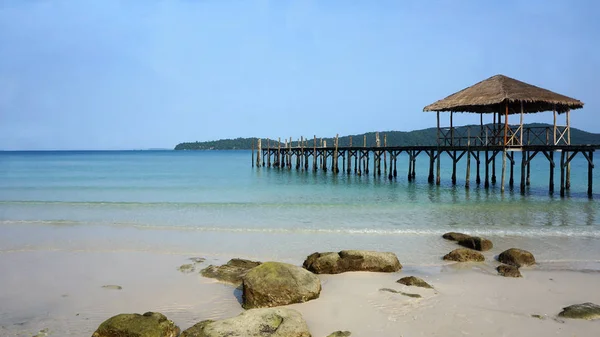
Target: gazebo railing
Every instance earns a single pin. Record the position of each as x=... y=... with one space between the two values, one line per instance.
x=516 y=136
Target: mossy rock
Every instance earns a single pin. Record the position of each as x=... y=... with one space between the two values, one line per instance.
x=589 y=311
x=464 y=255
x=272 y=322
x=454 y=236
x=477 y=243
x=414 y=281
x=340 y=334
x=197 y=259
x=516 y=257
x=232 y=272
x=352 y=260
x=150 y=324
x=508 y=271
x=187 y=268
x=274 y=283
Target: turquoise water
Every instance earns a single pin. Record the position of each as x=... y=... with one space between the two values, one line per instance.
x=55 y=200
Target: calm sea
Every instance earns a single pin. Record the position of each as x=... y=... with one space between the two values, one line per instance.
x=214 y=202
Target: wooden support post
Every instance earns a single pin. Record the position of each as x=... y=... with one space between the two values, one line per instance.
x=290 y=154
x=503 y=179
x=395 y=165
x=523 y=162
x=551 y=182
x=268 y=152
x=306 y=154
x=252 y=152
x=511 y=180
x=562 y=173
x=431 y=163
x=493 y=168
x=367 y=156
x=453 y=167
x=409 y=165
x=378 y=155
x=487 y=169
x=325 y=155
x=391 y=159
x=315 y=153
x=336 y=168
x=279 y=152
x=322 y=155
x=385 y=155
x=528 y=182
x=590 y=173
x=468 y=177
x=438 y=178
x=414 y=165
x=298 y=152
x=349 y=158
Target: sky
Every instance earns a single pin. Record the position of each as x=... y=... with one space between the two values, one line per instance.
x=138 y=74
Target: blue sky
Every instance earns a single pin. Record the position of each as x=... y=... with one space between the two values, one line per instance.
x=110 y=74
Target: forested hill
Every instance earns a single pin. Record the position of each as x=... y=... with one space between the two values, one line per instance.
x=394 y=138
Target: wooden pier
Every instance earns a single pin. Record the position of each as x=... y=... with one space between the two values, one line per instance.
x=498 y=96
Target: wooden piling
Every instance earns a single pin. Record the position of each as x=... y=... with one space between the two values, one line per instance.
x=562 y=173
x=335 y=166
x=552 y=165
x=503 y=179
x=511 y=180
x=252 y=152
x=453 y=167
x=487 y=170
x=349 y=158
x=385 y=154
x=395 y=164
x=590 y=173
x=468 y=177
x=391 y=158
x=523 y=160
x=431 y=163
x=324 y=156
x=438 y=178
x=315 y=153
x=410 y=153
x=258 y=152
x=528 y=182
x=378 y=156
x=477 y=173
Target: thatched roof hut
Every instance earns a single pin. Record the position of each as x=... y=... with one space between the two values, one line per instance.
x=495 y=93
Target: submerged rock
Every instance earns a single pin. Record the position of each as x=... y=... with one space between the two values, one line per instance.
x=400 y=292
x=187 y=268
x=274 y=283
x=352 y=260
x=108 y=286
x=587 y=311
x=454 y=236
x=150 y=324
x=273 y=322
x=414 y=281
x=340 y=334
x=232 y=272
x=197 y=259
x=508 y=271
x=464 y=255
x=516 y=257
x=477 y=243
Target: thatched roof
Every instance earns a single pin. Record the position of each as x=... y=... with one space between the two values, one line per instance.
x=492 y=94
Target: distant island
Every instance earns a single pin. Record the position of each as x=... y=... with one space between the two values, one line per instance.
x=394 y=138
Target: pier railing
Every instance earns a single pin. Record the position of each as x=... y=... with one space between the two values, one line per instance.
x=516 y=136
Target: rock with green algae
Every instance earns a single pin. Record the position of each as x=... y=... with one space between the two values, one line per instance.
x=454 y=236
x=150 y=324
x=516 y=257
x=589 y=311
x=271 y=322
x=400 y=292
x=187 y=268
x=352 y=260
x=232 y=272
x=275 y=283
x=414 y=281
x=340 y=334
x=477 y=243
x=464 y=255
x=508 y=271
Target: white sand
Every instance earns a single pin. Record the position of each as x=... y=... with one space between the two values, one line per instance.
x=62 y=291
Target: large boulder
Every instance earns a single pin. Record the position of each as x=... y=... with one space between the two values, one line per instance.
x=414 y=281
x=508 y=271
x=150 y=324
x=272 y=322
x=477 y=243
x=454 y=236
x=274 y=283
x=352 y=260
x=516 y=257
x=232 y=272
x=581 y=311
x=464 y=255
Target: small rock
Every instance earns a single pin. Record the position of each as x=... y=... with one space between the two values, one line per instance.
x=538 y=316
x=187 y=268
x=587 y=311
x=272 y=322
x=464 y=255
x=340 y=334
x=414 y=281
x=400 y=292
x=151 y=324
x=274 y=283
x=454 y=236
x=352 y=260
x=516 y=257
x=112 y=287
x=197 y=259
x=232 y=272
x=508 y=271
x=477 y=243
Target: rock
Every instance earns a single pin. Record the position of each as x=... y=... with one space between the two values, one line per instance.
x=232 y=272
x=352 y=260
x=110 y=286
x=150 y=324
x=400 y=292
x=454 y=236
x=516 y=257
x=587 y=311
x=538 y=316
x=42 y=333
x=340 y=334
x=272 y=322
x=187 y=268
x=197 y=259
x=274 y=283
x=464 y=255
x=477 y=243
x=414 y=281
x=508 y=271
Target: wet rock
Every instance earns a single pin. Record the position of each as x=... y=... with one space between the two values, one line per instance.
x=516 y=257
x=232 y=272
x=414 y=281
x=477 y=243
x=587 y=311
x=272 y=322
x=112 y=287
x=187 y=268
x=340 y=334
x=197 y=259
x=274 y=283
x=400 y=292
x=464 y=255
x=508 y=271
x=538 y=316
x=352 y=260
x=454 y=236
x=150 y=324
